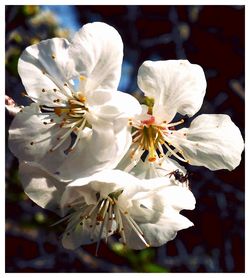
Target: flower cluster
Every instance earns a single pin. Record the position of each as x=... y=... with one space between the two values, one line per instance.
x=102 y=161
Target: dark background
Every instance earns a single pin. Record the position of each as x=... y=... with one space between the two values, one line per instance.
x=211 y=36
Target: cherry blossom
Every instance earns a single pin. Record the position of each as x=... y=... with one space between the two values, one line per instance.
x=177 y=86
x=77 y=124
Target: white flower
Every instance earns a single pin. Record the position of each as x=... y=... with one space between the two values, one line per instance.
x=177 y=86
x=74 y=87
x=143 y=212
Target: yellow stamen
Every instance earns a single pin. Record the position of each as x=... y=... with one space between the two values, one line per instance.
x=82 y=77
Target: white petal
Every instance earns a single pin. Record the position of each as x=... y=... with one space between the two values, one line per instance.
x=145 y=170
x=213 y=141
x=27 y=129
x=109 y=105
x=102 y=149
x=44 y=68
x=164 y=230
x=157 y=214
x=83 y=234
x=97 y=49
x=109 y=120
x=81 y=162
x=150 y=170
x=176 y=86
x=109 y=181
x=146 y=207
x=41 y=187
x=178 y=197
x=149 y=205
x=79 y=234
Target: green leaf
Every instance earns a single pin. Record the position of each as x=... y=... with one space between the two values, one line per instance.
x=151 y=267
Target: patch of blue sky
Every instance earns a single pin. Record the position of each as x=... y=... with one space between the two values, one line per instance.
x=66 y=15
x=127 y=70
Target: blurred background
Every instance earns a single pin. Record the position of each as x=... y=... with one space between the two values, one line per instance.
x=211 y=36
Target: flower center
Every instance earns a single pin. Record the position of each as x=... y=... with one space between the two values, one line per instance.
x=66 y=116
x=106 y=215
x=153 y=138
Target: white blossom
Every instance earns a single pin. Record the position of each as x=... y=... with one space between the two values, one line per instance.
x=77 y=124
x=143 y=212
x=177 y=86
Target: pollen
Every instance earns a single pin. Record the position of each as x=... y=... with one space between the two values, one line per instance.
x=82 y=77
x=81 y=97
x=152 y=159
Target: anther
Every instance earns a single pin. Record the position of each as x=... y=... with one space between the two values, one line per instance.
x=31 y=143
x=152 y=159
x=54 y=90
x=53 y=56
x=43 y=90
x=82 y=77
